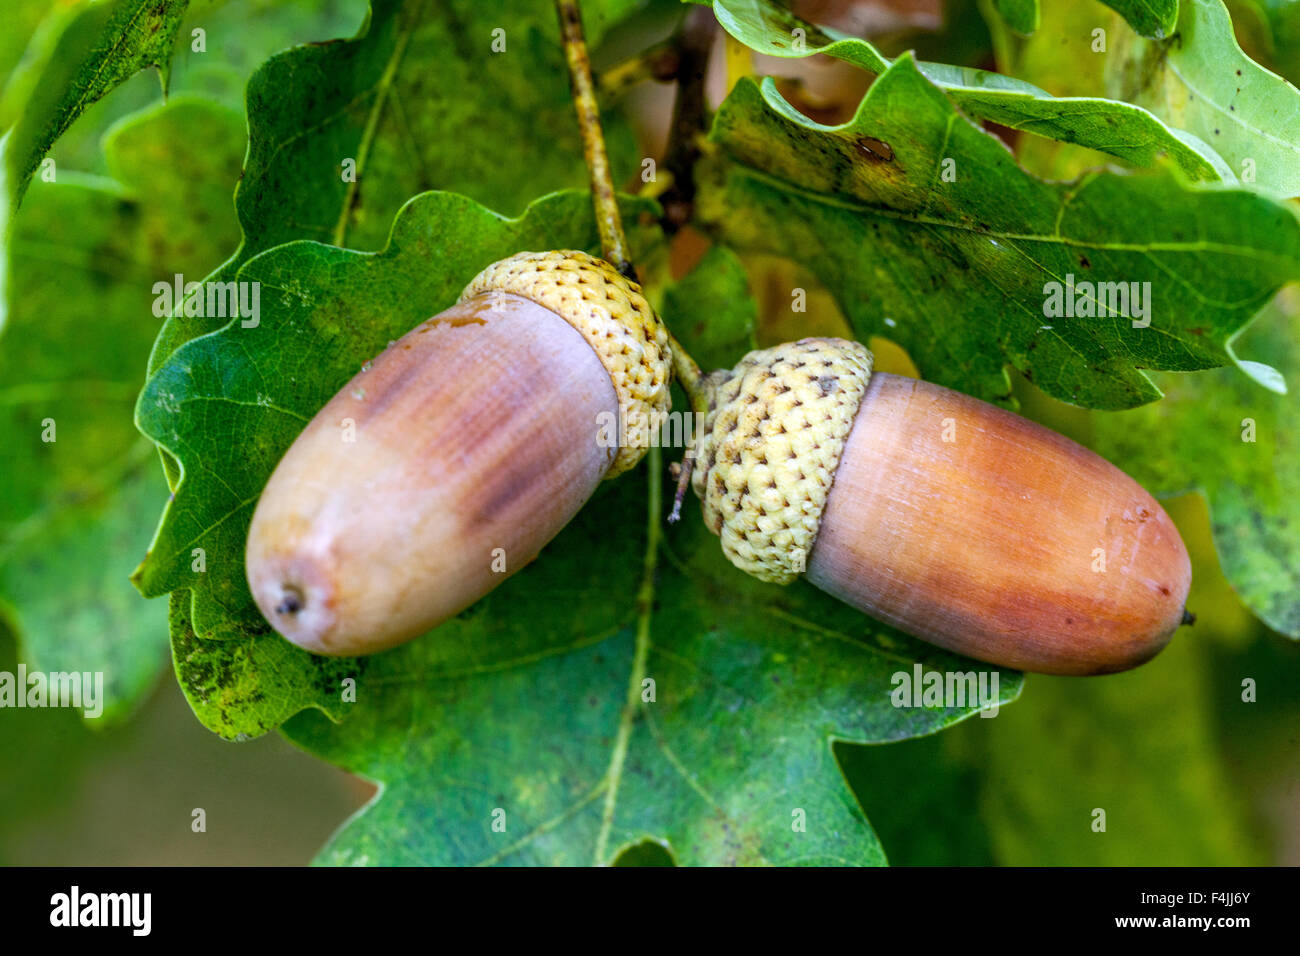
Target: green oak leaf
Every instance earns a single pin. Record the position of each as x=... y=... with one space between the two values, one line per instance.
x=247 y=686
x=1239 y=444
x=1119 y=129
x=236 y=37
x=1197 y=80
x=1269 y=31
x=101 y=47
x=1150 y=18
x=423 y=98
x=1201 y=81
x=958 y=272
x=324 y=312
x=662 y=696
x=75 y=513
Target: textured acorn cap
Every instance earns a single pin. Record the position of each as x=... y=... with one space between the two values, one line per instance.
x=614 y=317
x=770 y=448
x=952 y=519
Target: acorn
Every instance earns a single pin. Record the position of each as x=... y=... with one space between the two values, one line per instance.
x=447 y=463
x=949 y=518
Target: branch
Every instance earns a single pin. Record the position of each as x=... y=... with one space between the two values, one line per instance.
x=688 y=119
x=693 y=45
x=613 y=243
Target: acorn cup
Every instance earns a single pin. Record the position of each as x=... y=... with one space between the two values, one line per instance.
x=449 y=462
x=949 y=518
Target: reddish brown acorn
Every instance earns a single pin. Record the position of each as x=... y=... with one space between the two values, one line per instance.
x=420 y=486
x=949 y=518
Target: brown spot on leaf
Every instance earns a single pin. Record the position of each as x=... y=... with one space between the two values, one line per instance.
x=874 y=149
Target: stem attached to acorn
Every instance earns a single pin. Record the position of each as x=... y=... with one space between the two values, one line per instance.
x=609 y=222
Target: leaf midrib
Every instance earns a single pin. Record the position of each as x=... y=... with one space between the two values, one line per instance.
x=645 y=610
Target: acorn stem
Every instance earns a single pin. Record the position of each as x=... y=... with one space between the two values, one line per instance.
x=609 y=223
x=693 y=381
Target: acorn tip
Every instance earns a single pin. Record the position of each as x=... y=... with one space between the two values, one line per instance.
x=292 y=600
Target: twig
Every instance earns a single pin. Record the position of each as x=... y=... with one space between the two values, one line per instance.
x=693 y=381
x=682 y=473
x=694 y=44
x=609 y=223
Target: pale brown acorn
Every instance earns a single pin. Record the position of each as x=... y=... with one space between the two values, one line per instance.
x=949 y=518
x=422 y=485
